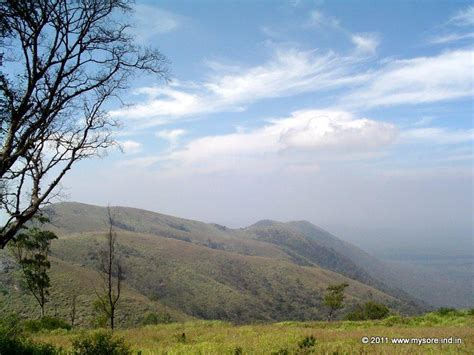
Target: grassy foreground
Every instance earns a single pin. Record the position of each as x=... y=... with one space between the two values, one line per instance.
x=214 y=337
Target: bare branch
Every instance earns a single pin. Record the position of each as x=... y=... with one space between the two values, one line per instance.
x=75 y=59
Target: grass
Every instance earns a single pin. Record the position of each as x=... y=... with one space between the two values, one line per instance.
x=215 y=337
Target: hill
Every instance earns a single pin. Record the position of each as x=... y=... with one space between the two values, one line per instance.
x=68 y=280
x=269 y=271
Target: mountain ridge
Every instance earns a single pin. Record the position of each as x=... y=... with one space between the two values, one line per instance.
x=268 y=271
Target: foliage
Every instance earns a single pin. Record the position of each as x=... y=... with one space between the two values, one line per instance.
x=153 y=318
x=12 y=341
x=100 y=318
x=31 y=249
x=334 y=298
x=369 y=310
x=307 y=342
x=45 y=323
x=447 y=311
x=100 y=343
x=181 y=338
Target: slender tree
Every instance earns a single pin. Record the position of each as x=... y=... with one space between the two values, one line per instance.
x=334 y=297
x=62 y=61
x=72 y=311
x=31 y=250
x=111 y=270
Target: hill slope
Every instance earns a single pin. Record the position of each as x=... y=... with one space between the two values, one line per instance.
x=269 y=271
x=68 y=279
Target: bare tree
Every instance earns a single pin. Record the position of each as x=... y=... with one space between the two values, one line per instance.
x=72 y=311
x=112 y=275
x=63 y=60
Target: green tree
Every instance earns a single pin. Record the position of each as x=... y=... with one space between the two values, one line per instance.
x=31 y=249
x=334 y=298
x=369 y=310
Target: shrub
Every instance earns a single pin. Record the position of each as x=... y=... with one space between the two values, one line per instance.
x=470 y=312
x=369 y=311
x=100 y=343
x=45 y=323
x=447 y=311
x=394 y=320
x=9 y=325
x=15 y=343
x=181 y=338
x=307 y=342
x=282 y=351
x=153 y=318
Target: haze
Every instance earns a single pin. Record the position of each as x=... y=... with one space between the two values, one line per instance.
x=309 y=111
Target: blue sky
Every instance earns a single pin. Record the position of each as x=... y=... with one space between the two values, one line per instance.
x=345 y=113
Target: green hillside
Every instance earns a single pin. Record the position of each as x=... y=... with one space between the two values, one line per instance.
x=267 y=272
x=68 y=279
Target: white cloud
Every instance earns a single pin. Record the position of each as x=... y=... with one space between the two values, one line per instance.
x=464 y=17
x=288 y=73
x=452 y=37
x=130 y=147
x=449 y=75
x=438 y=135
x=142 y=162
x=172 y=136
x=300 y=141
x=317 y=18
x=150 y=21
x=365 y=42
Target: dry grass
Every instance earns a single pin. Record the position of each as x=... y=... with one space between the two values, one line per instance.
x=212 y=337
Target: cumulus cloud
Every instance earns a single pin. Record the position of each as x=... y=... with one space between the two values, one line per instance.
x=171 y=135
x=299 y=141
x=439 y=135
x=449 y=75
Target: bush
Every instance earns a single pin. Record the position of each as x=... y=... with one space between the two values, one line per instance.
x=9 y=325
x=470 y=312
x=100 y=343
x=15 y=343
x=45 y=323
x=153 y=318
x=369 y=311
x=447 y=311
x=181 y=338
x=282 y=351
x=394 y=320
x=307 y=342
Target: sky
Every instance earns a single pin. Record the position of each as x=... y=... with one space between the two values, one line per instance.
x=354 y=115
